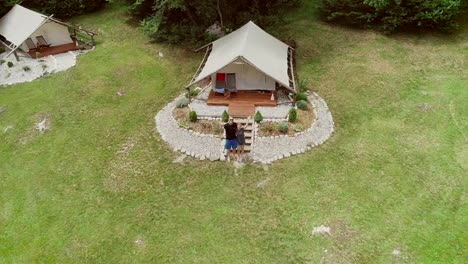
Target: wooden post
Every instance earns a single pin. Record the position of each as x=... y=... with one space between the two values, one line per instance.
x=16 y=55
x=189 y=95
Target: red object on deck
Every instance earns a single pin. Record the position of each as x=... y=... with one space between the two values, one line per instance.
x=220 y=76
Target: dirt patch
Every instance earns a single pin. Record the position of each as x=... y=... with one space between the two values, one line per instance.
x=179 y=159
x=303 y=122
x=7 y=128
x=461 y=152
x=341 y=235
x=263 y=183
x=213 y=127
x=425 y=107
x=43 y=125
x=122 y=168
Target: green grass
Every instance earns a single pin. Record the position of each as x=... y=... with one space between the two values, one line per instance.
x=393 y=175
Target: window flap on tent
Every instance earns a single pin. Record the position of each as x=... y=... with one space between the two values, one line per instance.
x=250 y=42
x=19 y=23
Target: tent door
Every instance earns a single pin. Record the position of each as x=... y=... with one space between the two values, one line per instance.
x=231 y=81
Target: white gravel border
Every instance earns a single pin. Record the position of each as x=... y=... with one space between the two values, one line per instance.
x=200 y=146
x=37 y=67
x=265 y=149
x=269 y=149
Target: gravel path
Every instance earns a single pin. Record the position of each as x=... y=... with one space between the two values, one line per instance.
x=269 y=149
x=196 y=145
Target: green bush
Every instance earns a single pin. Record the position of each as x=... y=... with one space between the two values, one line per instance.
x=298 y=128
x=292 y=115
x=302 y=105
x=224 y=116
x=302 y=86
x=258 y=117
x=193 y=93
x=182 y=102
x=26 y=68
x=301 y=96
x=193 y=116
x=283 y=127
x=2 y=61
x=391 y=15
x=10 y=64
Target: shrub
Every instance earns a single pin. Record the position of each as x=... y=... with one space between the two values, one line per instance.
x=224 y=116
x=2 y=61
x=193 y=116
x=302 y=105
x=258 y=117
x=193 y=93
x=182 y=102
x=10 y=64
x=283 y=127
x=38 y=54
x=298 y=128
x=26 y=68
x=302 y=86
x=391 y=15
x=301 y=96
x=292 y=115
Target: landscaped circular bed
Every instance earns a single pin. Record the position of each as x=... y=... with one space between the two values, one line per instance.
x=307 y=125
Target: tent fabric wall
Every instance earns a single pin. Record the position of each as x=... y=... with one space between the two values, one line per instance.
x=248 y=78
x=19 y=23
x=54 y=33
x=253 y=45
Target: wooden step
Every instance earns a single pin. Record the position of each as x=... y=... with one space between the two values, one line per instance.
x=241 y=109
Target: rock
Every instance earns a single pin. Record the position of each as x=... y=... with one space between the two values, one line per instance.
x=321 y=230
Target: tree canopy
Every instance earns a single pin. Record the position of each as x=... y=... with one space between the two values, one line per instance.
x=60 y=8
x=182 y=20
x=394 y=15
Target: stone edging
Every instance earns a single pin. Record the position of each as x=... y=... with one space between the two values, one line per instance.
x=265 y=149
x=269 y=149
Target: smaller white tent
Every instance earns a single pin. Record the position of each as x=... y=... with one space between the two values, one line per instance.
x=21 y=23
x=257 y=59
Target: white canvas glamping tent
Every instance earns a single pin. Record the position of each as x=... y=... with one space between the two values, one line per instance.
x=249 y=62
x=35 y=33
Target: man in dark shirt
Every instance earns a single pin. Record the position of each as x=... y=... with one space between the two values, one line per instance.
x=231 y=140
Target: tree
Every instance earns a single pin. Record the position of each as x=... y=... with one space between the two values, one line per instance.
x=60 y=8
x=393 y=15
x=174 y=21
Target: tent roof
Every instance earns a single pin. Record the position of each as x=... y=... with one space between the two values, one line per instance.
x=253 y=45
x=19 y=23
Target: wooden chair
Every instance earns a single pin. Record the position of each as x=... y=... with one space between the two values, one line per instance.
x=30 y=43
x=41 y=42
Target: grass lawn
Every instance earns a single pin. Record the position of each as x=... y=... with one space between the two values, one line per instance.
x=101 y=186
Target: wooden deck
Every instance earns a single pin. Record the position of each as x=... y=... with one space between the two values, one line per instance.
x=242 y=103
x=54 y=50
x=253 y=97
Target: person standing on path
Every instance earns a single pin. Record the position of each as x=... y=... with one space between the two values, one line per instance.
x=241 y=139
x=230 y=129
